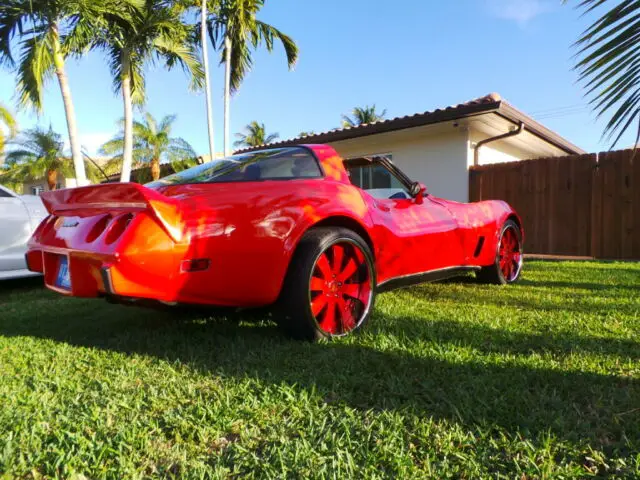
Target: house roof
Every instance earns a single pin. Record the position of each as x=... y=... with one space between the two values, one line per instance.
x=492 y=103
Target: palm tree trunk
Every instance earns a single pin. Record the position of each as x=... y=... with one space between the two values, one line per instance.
x=74 y=142
x=227 y=94
x=207 y=84
x=52 y=179
x=155 y=168
x=127 y=154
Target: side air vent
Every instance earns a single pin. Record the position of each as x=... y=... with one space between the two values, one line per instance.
x=479 y=246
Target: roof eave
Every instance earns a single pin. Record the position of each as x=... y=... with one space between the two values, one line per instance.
x=516 y=116
x=417 y=120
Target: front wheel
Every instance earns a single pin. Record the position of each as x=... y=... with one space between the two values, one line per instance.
x=330 y=286
x=508 y=262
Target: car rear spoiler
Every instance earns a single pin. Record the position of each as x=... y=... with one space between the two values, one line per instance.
x=129 y=197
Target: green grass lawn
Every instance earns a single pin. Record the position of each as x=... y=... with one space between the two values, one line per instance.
x=452 y=380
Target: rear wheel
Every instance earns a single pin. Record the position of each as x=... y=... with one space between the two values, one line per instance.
x=508 y=262
x=330 y=286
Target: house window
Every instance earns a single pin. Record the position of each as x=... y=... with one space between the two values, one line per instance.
x=372 y=175
x=37 y=189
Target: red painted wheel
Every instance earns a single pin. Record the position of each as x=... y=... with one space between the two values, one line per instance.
x=509 y=257
x=340 y=289
x=510 y=254
x=329 y=289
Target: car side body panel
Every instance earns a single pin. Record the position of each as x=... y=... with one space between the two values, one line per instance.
x=19 y=217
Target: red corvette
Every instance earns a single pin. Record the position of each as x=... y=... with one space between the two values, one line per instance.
x=298 y=227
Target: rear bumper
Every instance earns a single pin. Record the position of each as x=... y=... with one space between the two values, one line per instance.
x=85 y=268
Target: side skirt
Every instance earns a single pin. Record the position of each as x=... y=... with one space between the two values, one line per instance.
x=424 y=277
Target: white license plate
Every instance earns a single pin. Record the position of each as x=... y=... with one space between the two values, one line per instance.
x=63 y=280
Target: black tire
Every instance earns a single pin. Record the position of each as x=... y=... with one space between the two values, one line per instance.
x=298 y=297
x=494 y=273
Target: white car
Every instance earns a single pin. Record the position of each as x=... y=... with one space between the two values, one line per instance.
x=19 y=217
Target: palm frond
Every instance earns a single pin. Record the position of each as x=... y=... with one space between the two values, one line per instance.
x=9 y=121
x=11 y=22
x=35 y=68
x=268 y=33
x=236 y=21
x=609 y=65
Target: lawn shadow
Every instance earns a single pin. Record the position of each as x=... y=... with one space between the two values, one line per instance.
x=572 y=405
x=19 y=285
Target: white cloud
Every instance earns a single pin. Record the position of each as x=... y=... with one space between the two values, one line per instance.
x=91 y=142
x=519 y=11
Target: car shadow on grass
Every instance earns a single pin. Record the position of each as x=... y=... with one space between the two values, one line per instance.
x=572 y=405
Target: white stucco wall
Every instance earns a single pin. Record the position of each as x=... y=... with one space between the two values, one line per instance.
x=440 y=155
x=497 y=152
x=438 y=160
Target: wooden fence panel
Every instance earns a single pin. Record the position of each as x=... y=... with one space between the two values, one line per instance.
x=617 y=220
x=582 y=205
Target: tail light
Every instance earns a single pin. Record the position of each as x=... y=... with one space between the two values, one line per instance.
x=117 y=227
x=195 y=265
x=45 y=226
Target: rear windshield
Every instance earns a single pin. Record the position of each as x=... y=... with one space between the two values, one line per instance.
x=273 y=164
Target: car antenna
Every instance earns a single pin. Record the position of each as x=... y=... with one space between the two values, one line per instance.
x=96 y=165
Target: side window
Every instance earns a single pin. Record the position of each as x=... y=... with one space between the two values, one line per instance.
x=377 y=180
x=296 y=165
x=275 y=166
x=4 y=194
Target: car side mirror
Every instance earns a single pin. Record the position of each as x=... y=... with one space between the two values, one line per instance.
x=418 y=191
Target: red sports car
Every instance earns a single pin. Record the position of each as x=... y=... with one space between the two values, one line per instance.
x=296 y=227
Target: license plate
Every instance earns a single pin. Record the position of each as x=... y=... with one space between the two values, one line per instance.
x=63 y=280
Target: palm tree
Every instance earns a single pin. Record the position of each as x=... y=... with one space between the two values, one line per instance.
x=10 y=123
x=609 y=64
x=234 y=29
x=254 y=136
x=152 y=144
x=49 y=30
x=207 y=82
x=39 y=153
x=362 y=115
x=155 y=32
x=306 y=134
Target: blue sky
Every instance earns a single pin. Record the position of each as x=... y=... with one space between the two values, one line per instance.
x=406 y=56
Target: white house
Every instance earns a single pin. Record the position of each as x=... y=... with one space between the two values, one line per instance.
x=437 y=147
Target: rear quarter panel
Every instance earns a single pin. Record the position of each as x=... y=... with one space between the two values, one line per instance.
x=249 y=231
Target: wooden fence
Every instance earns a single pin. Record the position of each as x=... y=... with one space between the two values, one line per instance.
x=579 y=205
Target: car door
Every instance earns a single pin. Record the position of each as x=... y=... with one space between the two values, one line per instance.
x=15 y=230
x=418 y=234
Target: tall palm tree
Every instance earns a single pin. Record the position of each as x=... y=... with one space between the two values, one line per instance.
x=609 y=64
x=235 y=30
x=11 y=125
x=362 y=115
x=49 y=30
x=155 y=32
x=207 y=81
x=254 y=135
x=152 y=144
x=39 y=153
